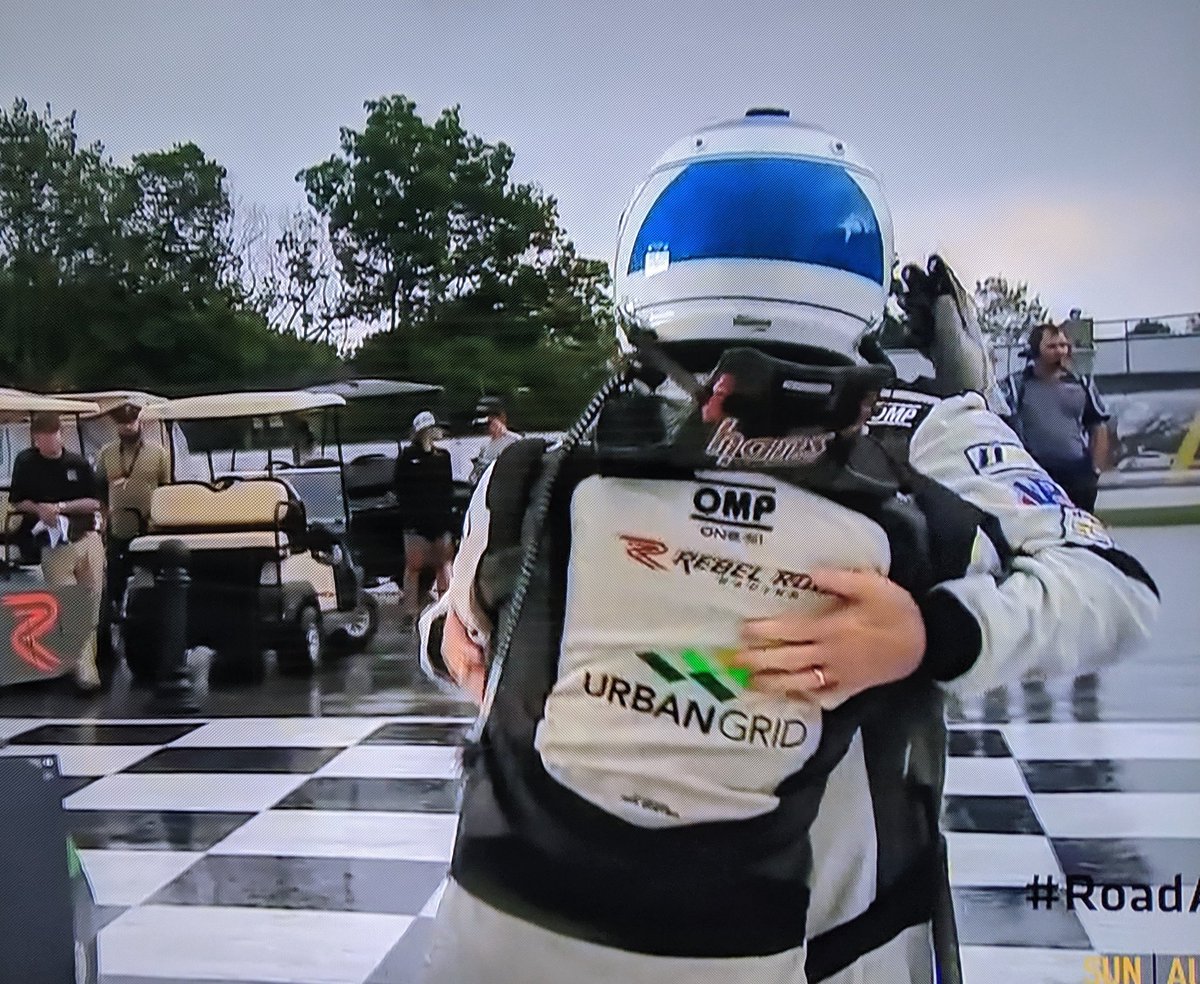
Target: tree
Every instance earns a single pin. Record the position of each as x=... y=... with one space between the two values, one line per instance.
x=126 y=276
x=387 y=201
x=310 y=300
x=181 y=226
x=56 y=198
x=422 y=216
x=470 y=276
x=255 y=251
x=1193 y=324
x=1007 y=311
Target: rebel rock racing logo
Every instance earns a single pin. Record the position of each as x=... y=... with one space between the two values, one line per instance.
x=728 y=572
x=35 y=613
x=645 y=551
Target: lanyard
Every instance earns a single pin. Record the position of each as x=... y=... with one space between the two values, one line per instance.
x=126 y=472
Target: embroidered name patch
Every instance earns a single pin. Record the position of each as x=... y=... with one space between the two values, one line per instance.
x=1082 y=528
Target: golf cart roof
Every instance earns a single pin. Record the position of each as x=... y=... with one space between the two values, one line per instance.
x=19 y=403
x=364 y=388
x=227 y=406
x=108 y=400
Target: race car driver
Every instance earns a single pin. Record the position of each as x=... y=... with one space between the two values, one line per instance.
x=685 y=671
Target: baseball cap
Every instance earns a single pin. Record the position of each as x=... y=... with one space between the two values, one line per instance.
x=487 y=408
x=125 y=413
x=422 y=421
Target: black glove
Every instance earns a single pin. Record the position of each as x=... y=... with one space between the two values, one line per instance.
x=916 y=291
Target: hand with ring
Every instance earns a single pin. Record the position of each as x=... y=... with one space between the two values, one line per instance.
x=872 y=635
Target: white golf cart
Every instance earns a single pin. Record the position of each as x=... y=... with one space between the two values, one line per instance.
x=270 y=564
x=42 y=628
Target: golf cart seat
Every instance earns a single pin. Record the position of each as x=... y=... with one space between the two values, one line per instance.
x=245 y=514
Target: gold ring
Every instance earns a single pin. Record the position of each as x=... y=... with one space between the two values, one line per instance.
x=820 y=675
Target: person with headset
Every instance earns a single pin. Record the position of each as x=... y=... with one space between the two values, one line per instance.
x=710 y=631
x=1060 y=415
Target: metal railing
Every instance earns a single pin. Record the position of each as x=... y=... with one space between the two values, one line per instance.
x=1144 y=345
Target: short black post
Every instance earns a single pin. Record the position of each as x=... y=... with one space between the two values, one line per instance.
x=173 y=691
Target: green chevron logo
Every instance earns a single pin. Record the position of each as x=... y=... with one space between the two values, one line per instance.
x=720 y=681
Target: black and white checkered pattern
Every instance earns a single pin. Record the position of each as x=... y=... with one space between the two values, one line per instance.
x=314 y=849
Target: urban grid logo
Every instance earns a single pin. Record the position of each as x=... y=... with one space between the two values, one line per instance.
x=722 y=718
x=708 y=676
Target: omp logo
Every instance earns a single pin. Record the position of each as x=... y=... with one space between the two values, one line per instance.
x=35 y=613
x=717 y=680
x=998 y=457
x=645 y=551
x=734 y=504
x=892 y=414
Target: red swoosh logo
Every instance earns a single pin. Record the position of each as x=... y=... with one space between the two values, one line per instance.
x=35 y=613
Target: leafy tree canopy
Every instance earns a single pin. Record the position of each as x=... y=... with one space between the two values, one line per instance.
x=466 y=274
x=125 y=276
x=1007 y=309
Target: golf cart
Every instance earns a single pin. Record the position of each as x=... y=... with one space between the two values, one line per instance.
x=42 y=628
x=270 y=562
x=379 y=409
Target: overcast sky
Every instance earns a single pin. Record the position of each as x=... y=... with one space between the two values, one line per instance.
x=1055 y=141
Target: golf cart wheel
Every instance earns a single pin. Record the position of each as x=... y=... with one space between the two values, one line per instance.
x=360 y=630
x=302 y=646
x=139 y=642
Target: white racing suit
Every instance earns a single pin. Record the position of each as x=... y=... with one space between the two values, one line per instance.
x=649 y=730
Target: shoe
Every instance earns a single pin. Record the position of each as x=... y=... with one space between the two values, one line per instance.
x=87 y=677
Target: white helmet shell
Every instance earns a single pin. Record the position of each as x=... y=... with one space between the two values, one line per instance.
x=757 y=230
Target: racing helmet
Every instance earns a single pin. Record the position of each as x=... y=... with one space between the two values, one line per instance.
x=759 y=231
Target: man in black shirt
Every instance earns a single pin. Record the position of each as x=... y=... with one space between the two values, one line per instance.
x=424 y=487
x=56 y=491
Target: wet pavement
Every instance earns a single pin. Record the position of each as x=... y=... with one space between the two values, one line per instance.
x=299 y=831
x=385 y=680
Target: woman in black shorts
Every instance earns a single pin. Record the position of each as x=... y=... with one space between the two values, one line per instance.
x=424 y=487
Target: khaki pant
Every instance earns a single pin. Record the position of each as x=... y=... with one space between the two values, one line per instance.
x=82 y=563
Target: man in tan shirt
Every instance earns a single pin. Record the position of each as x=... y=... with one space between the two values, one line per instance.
x=128 y=470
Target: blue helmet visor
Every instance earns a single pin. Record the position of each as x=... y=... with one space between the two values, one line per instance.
x=763 y=208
